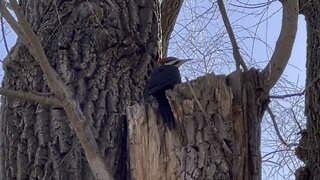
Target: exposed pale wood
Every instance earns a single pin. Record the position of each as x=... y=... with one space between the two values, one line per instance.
x=151 y=146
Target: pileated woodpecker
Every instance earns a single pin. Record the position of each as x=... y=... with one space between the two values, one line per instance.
x=164 y=77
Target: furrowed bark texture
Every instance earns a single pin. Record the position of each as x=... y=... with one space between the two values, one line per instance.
x=233 y=105
x=103 y=51
x=308 y=150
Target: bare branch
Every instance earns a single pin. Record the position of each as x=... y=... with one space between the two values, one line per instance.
x=10 y=19
x=169 y=12
x=296 y=120
x=253 y=5
x=3 y=34
x=30 y=97
x=282 y=52
x=236 y=53
x=288 y=95
x=34 y=46
x=275 y=125
x=15 y=70
x=62 y=160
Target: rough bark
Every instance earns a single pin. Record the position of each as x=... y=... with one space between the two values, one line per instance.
x=308 y=150
x=102 y=51
x=233 y=108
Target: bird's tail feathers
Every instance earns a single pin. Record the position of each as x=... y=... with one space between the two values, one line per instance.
x=165 y=110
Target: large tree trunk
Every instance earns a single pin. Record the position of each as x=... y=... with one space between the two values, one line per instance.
x=217 y=134
x=308 y=150
x=102 y=51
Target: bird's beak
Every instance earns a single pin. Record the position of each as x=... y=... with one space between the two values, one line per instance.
x=185 y=60
x=182 y=61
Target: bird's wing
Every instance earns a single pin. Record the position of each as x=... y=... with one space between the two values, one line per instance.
x=163 y=78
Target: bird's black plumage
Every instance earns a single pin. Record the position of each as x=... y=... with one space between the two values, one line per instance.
x=161 y=79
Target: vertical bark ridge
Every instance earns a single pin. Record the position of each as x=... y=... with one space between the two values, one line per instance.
x=308 y=150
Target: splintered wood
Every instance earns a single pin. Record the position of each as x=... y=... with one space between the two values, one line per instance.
x=151 y=147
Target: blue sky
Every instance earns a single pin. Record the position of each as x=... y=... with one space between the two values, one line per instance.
x=297 y=63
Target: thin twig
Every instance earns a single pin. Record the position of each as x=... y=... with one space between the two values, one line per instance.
x=252 y=6
x=296 y=120
x=276 y=128
x=57 y=11
x=272 y=153
x=99 y=22
x=215 y=131
x=3 y=33
x=288 y=95
x=10 y=19
x=62 y=160
x=236 y=53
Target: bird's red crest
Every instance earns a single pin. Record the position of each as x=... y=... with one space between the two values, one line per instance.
x=161 y=61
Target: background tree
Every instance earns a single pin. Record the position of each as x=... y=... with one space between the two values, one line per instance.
x=308 y=150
